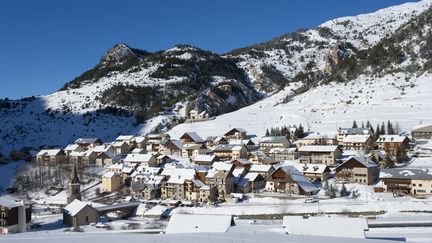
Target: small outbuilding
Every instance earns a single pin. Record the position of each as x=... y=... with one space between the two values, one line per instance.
x=78 y=213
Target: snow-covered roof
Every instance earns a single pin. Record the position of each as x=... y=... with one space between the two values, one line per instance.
x=177 y=143
x=8 y=202
x=422 y=128
x=49 y=152
x=260 y=168
x=282 y=150
x=391 y=139
x=75 y=207
x=222 y=166
x=243 y=161
x=326 y=226
x=178 y=176
x=204 y=158
x=227 y=147
x=118 y=143
x=413 y=174
x=238 y=171
x=117 y=166
x=87 y=140
x=194 y=136
x=274 y=139
x=125 y=137
x=108 y=174
x=358 y=138
x=302 y=181
x=140 y=139
x=318 y=148
x=188 y=223
x=102 y=148
x=72 y=147
x=364 y=160
x=138 y=158
x=311 y=168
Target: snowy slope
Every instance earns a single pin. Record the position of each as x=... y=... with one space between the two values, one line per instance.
x=325 y=109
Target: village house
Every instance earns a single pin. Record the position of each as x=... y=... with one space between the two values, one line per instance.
x=104 y=148
x=408 y=181
x=266 y=143
x=393 y=143
x=120 y=147
x=140 y=142
x=251 y=182
x=242 y=163
x=148 y=160
x=111 y=182
x=235 y=134
x=79 y=213
x=138 y=151
x=358 y=142
x=15 y=215
x=104 y=159
x=88 y=143
x=264 y=170
x=280 y=154
x=220 y=175
x=320 y=154
x=191 y=138
x=259 y=157
x=73 y=148
x=315 y=139
x=129 y=139
x=174 y=186
x=171 y=147
x=358 y=169
x=287 y=179
x=212 y=141
x=197 y=191
x=84 y=158
x=204 y=159
x=230 y=152
x=314 y=172
x=250 y=145
x=51 y=157
x=163 y=159
x=343 y=132
x=117 y=168
x=155 y=141
x=191 y=150
x=147 y=184
x=422 y=132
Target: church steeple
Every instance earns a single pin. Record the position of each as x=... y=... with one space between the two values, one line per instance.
x=74 y=185
x=74 y=179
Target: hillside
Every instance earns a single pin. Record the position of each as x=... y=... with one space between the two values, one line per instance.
x=373 y=66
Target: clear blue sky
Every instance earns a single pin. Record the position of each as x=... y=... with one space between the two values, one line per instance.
x=46 y=43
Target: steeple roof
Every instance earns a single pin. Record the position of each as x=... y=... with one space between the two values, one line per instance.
x=74 y=175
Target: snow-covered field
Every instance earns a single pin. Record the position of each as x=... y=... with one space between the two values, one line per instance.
x=324 y=109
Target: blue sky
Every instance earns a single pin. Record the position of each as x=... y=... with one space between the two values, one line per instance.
x=46 y=43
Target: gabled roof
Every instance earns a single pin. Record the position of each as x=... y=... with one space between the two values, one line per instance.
x=312 y=168
x=125 y=137
x=102 y=148
x=194 y=136
x=138 y=158
x=413 y=174
x=205 y=158
x=302 y=181
x=222 y=166
x=108 y=174
x=72 y=147
x=234 y=130
x=364 y=160
x=274 y=139
x=422 y=128
x=391 y=139
x=260 y=168
x=318 y=148
x=354 y=131
x=87 y=140
x=227 y=147
x=178 y=176
x=75 y=207
x=358 y=138
x=49 y=152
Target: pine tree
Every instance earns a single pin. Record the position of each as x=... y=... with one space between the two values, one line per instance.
x=300 y=131
x=368 y=125
x=354 y=125
x=344 y=192
x=267 y=133
x=363 y=125
x=390 y=129
x=397 y=128
x=377 y=132
x=383 y=129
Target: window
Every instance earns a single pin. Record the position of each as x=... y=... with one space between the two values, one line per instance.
x=87 y=219
x=414 y=184
x=420 y=185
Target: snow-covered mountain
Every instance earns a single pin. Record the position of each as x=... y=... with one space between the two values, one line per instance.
x=373 y=66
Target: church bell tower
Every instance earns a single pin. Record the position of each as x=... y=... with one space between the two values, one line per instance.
x=74 y=186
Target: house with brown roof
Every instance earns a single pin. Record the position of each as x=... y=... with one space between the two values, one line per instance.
x=191 y=138
x=190 y=150
x=266 y=143
x=314 y=172
x=358 y=169
x=230 y=152
x=235 y=134
x=287 y=179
